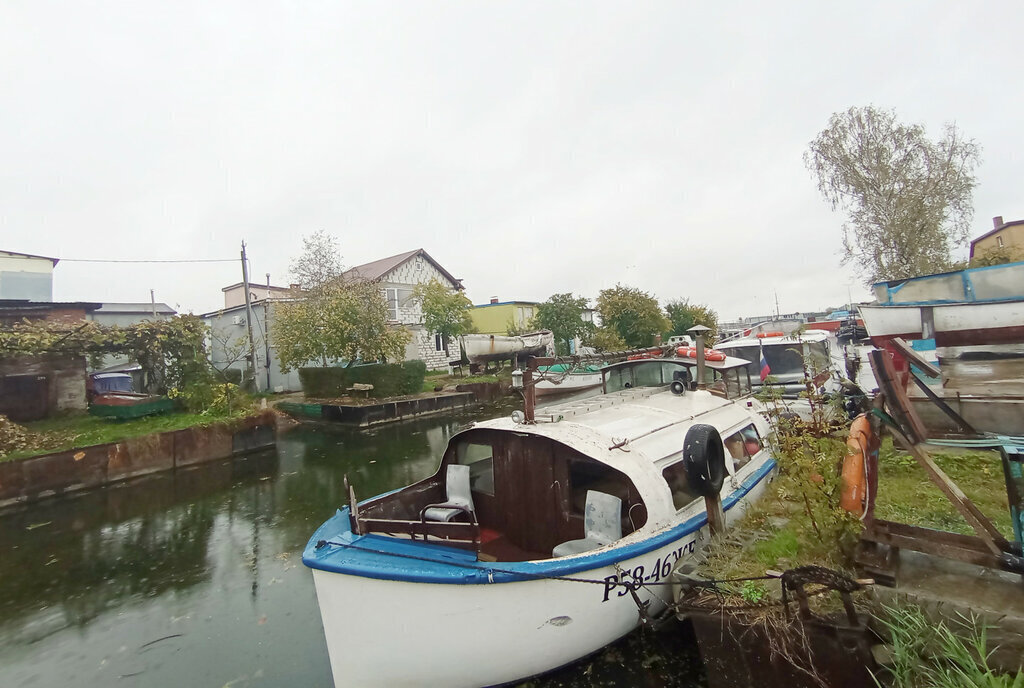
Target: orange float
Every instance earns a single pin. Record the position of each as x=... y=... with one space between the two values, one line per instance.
x=762 y=335
x=691 y=352
x=860 y=445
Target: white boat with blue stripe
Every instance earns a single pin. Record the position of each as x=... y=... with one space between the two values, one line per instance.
x=534 y=542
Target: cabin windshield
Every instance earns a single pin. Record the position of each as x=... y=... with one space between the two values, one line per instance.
x=786 y=360
x=652 y=373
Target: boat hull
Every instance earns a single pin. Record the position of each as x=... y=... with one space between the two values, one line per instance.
x=387 y=632
x=483 y=348
x=956 y=324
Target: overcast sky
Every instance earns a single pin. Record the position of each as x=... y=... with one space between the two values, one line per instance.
x=530 y=147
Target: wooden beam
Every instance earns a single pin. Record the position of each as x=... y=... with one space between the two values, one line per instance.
x=896 y=396
x=963 y=426
x=915 y=358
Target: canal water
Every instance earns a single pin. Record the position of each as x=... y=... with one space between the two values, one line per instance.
x=194 y=577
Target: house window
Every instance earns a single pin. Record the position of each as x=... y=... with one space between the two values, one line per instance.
x=999 y=241
x=440 y=343
x=392 y=296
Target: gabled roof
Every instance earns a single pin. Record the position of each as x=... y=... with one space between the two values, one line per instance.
x=254 y=285
x=29 y=255
x=378 y=268
x=995 y=230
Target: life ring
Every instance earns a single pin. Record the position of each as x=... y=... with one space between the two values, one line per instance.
x=860 y=445
x=704 y=459
x=691 y=352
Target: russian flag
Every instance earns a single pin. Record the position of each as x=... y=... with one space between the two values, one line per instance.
x=765 y=368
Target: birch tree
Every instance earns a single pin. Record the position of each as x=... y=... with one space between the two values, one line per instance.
x=907 y=198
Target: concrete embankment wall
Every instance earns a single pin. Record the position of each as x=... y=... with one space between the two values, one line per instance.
x=36 y=477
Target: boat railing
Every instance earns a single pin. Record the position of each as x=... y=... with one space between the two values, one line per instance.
x=451 y=533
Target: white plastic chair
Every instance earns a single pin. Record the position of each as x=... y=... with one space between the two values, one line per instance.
x=602 y=525
x=457 y=490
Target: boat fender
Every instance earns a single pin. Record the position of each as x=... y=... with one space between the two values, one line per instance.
x=704 y=459
x=859 y=444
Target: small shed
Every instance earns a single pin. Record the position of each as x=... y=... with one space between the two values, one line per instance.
x=35 y=387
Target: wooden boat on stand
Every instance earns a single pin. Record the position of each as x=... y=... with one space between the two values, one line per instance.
x=543 y=536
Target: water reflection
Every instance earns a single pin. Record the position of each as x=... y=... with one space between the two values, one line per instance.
x=195 y=577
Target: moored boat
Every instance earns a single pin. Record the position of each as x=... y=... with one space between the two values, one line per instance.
x=534 y=543
x=562 y=378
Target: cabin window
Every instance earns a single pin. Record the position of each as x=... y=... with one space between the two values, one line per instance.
x=646 y=374
x=679 y=485
x=480 y=459
x=742 y=445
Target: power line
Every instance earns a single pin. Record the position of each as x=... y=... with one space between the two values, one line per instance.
x=183 y=260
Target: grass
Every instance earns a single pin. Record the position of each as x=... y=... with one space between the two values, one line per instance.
x=779 y=533
x=905 y=493
x=82 y=430
x=442 y=377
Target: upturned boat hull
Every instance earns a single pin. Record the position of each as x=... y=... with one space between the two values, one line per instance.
x=954 y=324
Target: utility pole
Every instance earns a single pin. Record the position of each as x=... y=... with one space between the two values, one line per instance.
x=152 y=302
x=251 y=366
x=266 y=330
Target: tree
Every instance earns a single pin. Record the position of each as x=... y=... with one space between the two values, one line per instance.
x=606 y=339
x=330 y=318
x=907 y=198
x=563 y=315
x=339 y=320
x=634 y=314
x=683 y=315
x=320 y=262
x=445 y=312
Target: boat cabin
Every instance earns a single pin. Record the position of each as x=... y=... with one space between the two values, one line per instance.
x=593 y=474
x=786 y=356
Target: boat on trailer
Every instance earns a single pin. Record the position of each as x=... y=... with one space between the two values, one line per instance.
x=542 y=537
x=486 y=348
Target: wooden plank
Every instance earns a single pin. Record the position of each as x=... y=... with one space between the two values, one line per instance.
x=949 y=545
x=896 y=397
x=993 y=539
x=915 y=358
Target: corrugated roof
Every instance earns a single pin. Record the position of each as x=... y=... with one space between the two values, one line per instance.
x=140 y=307
x=375 y=270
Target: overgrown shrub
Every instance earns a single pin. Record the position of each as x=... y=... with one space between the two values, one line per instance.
x=388 y=379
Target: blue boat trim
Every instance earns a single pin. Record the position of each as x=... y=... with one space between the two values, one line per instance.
x=387 y=558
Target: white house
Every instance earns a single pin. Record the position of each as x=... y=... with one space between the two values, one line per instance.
x=27 y=277
x=398 y=276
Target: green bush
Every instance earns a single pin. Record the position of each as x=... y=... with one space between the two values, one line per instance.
x=388 y=379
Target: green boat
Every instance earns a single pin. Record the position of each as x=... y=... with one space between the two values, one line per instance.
x=128 y=405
